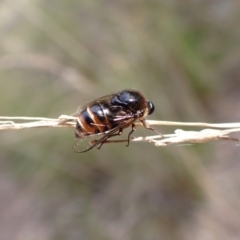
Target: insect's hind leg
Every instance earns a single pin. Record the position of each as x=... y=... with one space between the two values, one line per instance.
x=106 y=138
x=117 y=134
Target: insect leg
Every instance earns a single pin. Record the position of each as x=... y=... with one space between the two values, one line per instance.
x=107 y=137
x=114 y=132
x=150 y=128
x=133 y=129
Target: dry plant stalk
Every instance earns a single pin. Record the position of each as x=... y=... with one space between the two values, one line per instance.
x=210 y=133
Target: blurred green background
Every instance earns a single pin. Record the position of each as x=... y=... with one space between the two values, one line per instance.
x=56 y=55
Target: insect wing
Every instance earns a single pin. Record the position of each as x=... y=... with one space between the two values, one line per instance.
x=85 y=143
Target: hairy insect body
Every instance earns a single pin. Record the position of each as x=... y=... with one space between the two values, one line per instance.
x=110 y=114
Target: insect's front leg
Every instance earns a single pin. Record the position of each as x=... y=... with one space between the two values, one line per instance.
x=150 y=128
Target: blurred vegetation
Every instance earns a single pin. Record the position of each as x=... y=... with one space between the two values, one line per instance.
x=55 y=56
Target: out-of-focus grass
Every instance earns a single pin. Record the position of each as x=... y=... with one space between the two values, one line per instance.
x=55 y=56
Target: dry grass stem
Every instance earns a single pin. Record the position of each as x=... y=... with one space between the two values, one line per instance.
x=15 y=123
x=178 y=137
x=181 y=136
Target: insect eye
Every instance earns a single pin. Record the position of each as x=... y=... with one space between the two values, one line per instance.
x=151 y=108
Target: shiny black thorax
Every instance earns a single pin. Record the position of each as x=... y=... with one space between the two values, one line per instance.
x=132 y=102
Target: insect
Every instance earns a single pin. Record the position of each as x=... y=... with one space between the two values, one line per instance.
x=108 y=116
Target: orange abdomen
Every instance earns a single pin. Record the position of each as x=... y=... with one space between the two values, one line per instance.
x=94 y=119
